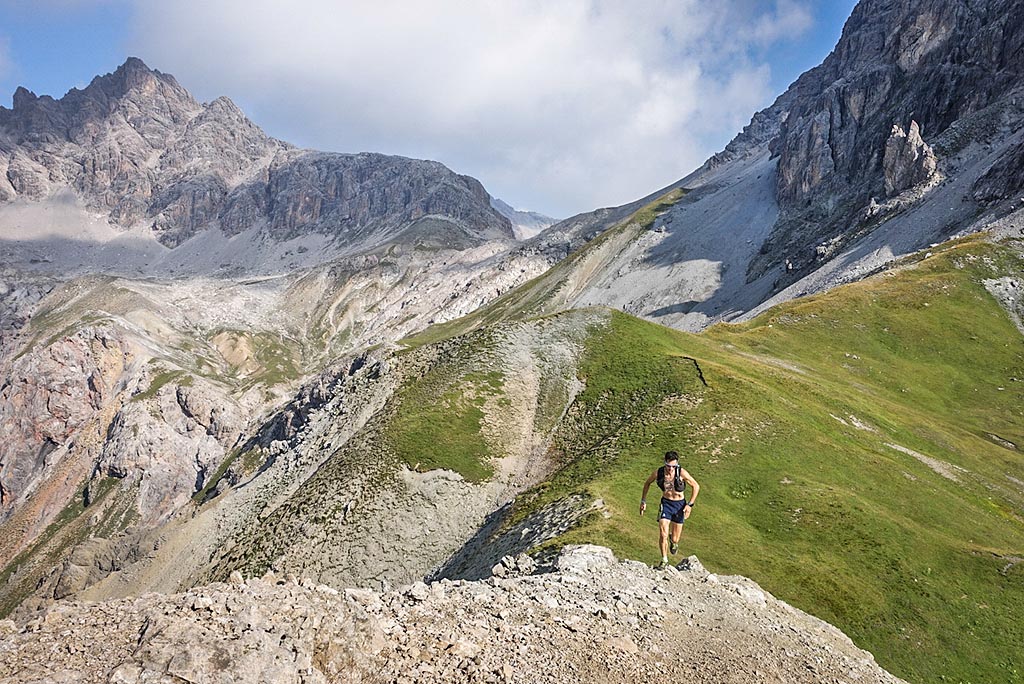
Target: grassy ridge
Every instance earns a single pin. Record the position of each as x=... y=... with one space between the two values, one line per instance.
x=822 y=512
x=545 y=294
x=437 y=419
x=804 y=439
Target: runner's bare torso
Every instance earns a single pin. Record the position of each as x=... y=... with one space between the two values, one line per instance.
x=670 y=492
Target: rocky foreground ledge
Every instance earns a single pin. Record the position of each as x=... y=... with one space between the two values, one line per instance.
x=593 y=619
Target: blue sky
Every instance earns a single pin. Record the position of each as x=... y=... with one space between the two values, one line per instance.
x=534 y=118
x=52 y=47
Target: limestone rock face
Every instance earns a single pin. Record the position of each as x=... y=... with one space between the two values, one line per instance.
x=170 y=444
x=49 y=397
x=908 y=160
x=936 y=61
x=360 y=194
x=138 y=147
x=1004 y=179
x=953 y=68
x=20 y=294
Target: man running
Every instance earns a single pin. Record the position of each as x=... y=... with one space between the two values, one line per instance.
x=675 y=509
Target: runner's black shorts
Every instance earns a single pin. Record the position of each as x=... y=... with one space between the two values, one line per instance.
x=672 y=510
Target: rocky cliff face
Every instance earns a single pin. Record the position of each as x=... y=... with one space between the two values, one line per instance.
x=169 y=446
x=899 y=66
x=908 y=133
x=47 y=398
x=138 y=147
x=934 y=62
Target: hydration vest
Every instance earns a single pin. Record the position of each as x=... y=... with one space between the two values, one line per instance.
x=677 y=482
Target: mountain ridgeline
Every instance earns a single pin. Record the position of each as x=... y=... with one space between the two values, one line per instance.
x=907 y=134
x=225 y=357
x=136 y=145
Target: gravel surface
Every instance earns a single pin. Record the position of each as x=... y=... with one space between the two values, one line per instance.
x=592 y=619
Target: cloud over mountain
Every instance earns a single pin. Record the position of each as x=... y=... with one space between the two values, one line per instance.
x=562 y=106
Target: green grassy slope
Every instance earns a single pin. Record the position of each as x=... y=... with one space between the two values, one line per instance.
x=794 y=442
x=438 y=421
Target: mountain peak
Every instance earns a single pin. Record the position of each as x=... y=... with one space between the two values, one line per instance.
x=137 y=145
x=131 y=77
x=225 y=105
x=134 y=77
x=23 y=97
x=134 y=64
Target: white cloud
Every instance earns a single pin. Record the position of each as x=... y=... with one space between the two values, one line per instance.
x=562 y=105
x=788 y=19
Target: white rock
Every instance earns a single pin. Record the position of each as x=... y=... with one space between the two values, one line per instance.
x=584 y=558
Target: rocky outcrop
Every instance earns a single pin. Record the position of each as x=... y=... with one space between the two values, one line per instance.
x=908 y=160
x=1004 y=179
x=94 y=559
x=170 y=444
x=1009 y=292
x=593 y=619
x=137 y=146
x=20 y=294
x=47 y=398
x=936 y=61
x=496 y=546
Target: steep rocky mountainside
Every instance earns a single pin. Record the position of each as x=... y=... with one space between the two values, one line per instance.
x=952 y=70
x=933 y=62
x=592 y=618
x=909 y=132
x=137 y=147
x=152 y=384
x=352 y=462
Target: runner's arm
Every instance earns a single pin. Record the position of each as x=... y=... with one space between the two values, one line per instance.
x=693 y=485
x=647 y=486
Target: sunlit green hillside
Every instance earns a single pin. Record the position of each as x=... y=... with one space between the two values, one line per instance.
x=857 y=451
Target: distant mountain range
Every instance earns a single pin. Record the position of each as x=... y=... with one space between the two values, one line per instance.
x=526 y=224
x=139 y=150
